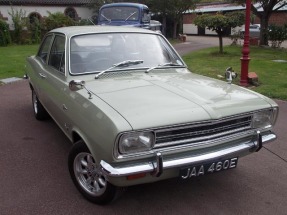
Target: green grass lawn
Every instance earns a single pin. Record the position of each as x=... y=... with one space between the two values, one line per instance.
x=12 y=60
x=272 y=75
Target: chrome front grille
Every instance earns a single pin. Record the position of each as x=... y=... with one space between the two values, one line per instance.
x=196 y=133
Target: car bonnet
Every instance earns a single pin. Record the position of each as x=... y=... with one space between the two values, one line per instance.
x=158 y=100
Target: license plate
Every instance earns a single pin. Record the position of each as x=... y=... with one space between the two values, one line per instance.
x=195 y=171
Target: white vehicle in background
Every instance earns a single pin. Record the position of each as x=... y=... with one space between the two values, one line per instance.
x=254 y=31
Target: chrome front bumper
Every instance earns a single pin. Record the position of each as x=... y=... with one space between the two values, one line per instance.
x=160 y=164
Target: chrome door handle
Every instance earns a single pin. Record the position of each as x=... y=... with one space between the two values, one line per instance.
x=42 y=75
x=64 y=107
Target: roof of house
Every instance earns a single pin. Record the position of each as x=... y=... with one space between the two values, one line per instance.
x=260 y=9
x=45 y=2
x=216 y=7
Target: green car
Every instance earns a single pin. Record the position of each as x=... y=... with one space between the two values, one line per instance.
x=134 y=112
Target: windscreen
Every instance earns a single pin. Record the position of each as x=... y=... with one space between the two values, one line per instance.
x=97 y=52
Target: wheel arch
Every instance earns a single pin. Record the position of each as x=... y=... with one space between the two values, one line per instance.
x=31 y=86
x=93 y=146
x=76 y=137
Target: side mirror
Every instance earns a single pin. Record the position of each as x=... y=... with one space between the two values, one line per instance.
x=76 y=85
x=230 y=74
x=146 y=18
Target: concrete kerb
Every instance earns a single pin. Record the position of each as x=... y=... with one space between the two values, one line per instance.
x=9 y=80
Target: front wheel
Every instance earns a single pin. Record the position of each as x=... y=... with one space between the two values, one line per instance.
x=87 y=176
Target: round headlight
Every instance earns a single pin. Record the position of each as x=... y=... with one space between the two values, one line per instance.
x=136 y=142
x=262 y=119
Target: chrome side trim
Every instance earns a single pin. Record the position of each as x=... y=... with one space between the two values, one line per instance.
x=154 y=167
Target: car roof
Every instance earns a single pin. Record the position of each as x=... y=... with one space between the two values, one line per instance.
x=79 y=30
x=125 y=4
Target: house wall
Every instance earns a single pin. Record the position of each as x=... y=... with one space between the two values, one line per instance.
x=190 y=29
x=188 y=26
x=83 y=12
x=277 y=18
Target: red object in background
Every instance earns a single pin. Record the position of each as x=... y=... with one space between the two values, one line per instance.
x=245 y=50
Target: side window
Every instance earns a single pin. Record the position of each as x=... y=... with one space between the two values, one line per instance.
x=43 y=52
x=57 y=54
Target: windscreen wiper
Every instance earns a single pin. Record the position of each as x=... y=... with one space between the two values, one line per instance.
x=125 y=63
x=130 y=16
x=162 y=65
x=109 y=20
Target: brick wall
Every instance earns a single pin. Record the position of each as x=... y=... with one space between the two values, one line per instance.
x=188 y=18
x=277 y=18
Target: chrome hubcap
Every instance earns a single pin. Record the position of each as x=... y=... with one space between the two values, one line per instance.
x=88 y=175
x=35 y=103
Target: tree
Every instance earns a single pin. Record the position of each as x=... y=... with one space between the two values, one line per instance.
x=35 y=27
x=5 y=37
x=57 y=20
x=268 y=7
x=177 y=8
x=172 y=9
x=19 y=22
x=219 y=22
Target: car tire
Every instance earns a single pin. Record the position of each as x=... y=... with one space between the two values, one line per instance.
x=39 y=111
x=87 y=176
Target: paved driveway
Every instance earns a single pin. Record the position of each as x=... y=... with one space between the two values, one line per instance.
x=197 y=42
x=35 y=179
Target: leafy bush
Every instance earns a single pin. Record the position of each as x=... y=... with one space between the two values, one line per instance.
x=218 y=22
x=19 y=22
x=5 y=37
x=35 y=29
x=57 y=20
x=277 y=35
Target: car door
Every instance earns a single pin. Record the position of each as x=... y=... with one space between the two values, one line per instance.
x=40 y=66
x=56 y=86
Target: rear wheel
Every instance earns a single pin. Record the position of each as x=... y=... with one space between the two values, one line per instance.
x=39 y=111
x=87 y=177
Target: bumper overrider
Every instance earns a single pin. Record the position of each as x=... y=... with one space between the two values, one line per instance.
x=159 y=164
